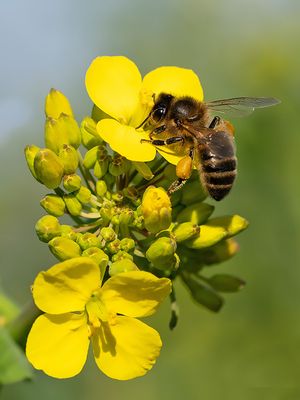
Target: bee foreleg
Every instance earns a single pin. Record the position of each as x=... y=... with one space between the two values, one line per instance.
x=171 y=140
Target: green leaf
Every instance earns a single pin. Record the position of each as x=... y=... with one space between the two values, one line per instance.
x=226 y=283
x=8 y=309
x=13 y=364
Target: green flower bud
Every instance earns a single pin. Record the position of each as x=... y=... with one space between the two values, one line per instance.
x=63 y=248
x=220 y=252
x=208 y=236
x=192 y=192
x=101 y=166
x=47 y=228
x=48 y=168
x=89 y=134
x=63 y=130
x=185 y=231
x=126 y=218
x=69 y=158
x=53 y=204
x=226 y=283
x=67 y=232
x=98 y=256
x=124 y=265
x=119 y=165
x=106 y=214
x=87 y=240
x=120 y=255
x=117 y=197
x=233 y=224
x=57 y=103
x=90 y=158
x=108 y=234
x=197 y=213
x=161 y=253
x=101 y=188
x=30 y=153
x=113 y=247
x=143 y=169
x=84 y=195
x=71 y=182
x=201 y=293
x=156 y=209
x=127 y=244
x=74 y=206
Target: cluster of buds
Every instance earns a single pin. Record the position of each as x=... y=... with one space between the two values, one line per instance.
x=121 y=215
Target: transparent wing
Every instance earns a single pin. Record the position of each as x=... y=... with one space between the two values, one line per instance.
x=241 y=106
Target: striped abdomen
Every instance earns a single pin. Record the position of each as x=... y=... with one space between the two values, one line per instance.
x=218 y=164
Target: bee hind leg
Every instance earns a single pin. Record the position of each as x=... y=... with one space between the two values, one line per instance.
x=176 y=185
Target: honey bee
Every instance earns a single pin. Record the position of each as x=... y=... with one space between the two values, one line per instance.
x=206 y=142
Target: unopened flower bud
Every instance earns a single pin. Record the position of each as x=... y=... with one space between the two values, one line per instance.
x=156 y=209
x=113 y=247
x=71 y=182
x=119 y=165
x=197 y=213
x=101 y=166
x=233 y=224
x=208 y=236
x=124 y=265
x=202 y=293
x=161 y=253
x=98 y=256
x=89 y=134
x=87 y=240
x=143 y=169
x=47 y=228
x=67 y=232
x=53 y=204
x=101 y=188
x=192 y=192
x=185 y=231
x=57 y=103
x=120 y=255
x=106 y=214
x=226 y=283
x=69 y=158
x=63 y=130
x=73 y=205
x=127 y=244
x=84 y=195
x=90 y=158
x=108 y=234
x=30 y=153
x=220 y=252
x=63 y=248
x=48 y=168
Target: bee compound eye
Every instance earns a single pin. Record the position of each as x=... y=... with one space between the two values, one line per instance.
x=158 y=114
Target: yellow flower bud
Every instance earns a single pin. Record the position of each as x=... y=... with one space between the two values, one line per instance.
x=69 y=158
x=71 y=182
x=63 y=130
x=108 y=234
x=101 y=188
x=84 y=195
x=74 y=206
x=47 y=228
x=53 y=204
x=124 y=265
x=185 y=231
x=156 y=209
x=161 y=253
x=88 y=240
x=101 y=166
x=68 y=232
x=48 y=168
x=89 y=134
x=208 y=236
x=64 y=248
x=232 y=223
x=197 y=213
x=30 y=153
x=220 y=252
x=57 y=103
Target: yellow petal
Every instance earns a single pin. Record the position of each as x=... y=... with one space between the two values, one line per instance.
x=58 y=344
x=113 y=84
x=135 y=293
x=66 y=286
x=125 y=140
x=127 y=349
x=173 y=80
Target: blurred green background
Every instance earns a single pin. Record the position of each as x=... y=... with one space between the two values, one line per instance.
x=251 y=349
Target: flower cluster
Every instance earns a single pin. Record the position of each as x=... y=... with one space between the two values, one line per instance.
x=128 y=239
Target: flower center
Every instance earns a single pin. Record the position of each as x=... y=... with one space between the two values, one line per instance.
x=97 y=312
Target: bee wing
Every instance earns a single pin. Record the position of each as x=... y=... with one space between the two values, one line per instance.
x=241 y=106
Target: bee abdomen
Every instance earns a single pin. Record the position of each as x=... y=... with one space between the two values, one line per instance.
x=218 y=176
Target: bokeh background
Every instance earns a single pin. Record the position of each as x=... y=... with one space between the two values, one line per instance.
x=251 y=349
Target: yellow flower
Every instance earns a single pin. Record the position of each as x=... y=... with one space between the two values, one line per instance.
x=78 y=310
x=116 y=87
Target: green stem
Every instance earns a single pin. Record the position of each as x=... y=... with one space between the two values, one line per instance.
x=87 y=176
